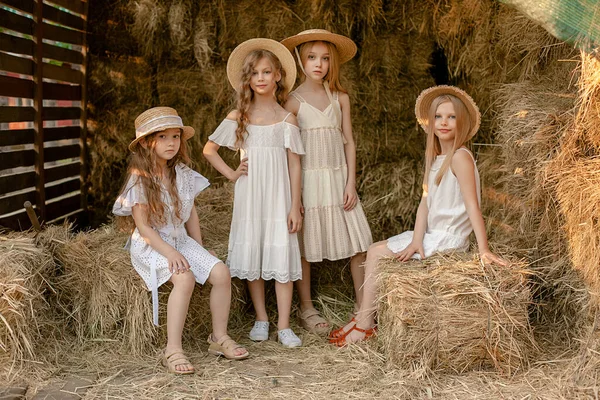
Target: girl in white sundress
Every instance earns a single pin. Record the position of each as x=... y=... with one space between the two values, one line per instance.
x=263 y=244
x=449 y=209
x=166 y=244
x=335 y=226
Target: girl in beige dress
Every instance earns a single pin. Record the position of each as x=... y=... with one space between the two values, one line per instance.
x=335 y=226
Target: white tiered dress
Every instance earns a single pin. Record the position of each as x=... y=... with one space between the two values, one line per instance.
x=448 y=224
x=260 y=245
x=152 y=266
x=329 y=232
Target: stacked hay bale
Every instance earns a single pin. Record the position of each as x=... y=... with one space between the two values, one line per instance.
x=451 y=313
x=25 y=316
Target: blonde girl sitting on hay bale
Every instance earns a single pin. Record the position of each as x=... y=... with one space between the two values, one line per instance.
x=166 y=244
x=449 y=209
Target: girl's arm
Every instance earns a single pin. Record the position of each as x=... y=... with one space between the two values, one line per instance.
x=464 y=170
x=350 y=195
x=295 y=170
x=192 y=226
x=177 y=262
x=211 y=153
x=416 y=245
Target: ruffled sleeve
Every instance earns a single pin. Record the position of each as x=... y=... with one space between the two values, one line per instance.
x=224 y=135
x=132 y=195
x=292 y=139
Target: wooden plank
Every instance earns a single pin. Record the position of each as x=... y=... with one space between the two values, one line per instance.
x=58 y=91
x=16 y=22
x=62 y=54
x=17 y=45
x=61 y=152
x=14 y=203
x=20 y=65
x=23 y=5
x=16 y=114
x=63 y=18
x=14 y=159
x=15 y=87
x=83 y=137
x=77 y=6
x=63 y=188
x=64 y=74
x=60 y=113
x=15 y=137
x=16 y=222
x=60 y=34
x=61 y=133
x=63 y=171
x=60 y=208
x=12 y=183
x=38 y=125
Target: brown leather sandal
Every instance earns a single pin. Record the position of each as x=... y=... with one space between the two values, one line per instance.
x=226 y=347
x=311 y=319
x=175 y=359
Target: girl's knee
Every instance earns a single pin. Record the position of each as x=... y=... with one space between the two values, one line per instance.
x=185 y=281
x=219 y=275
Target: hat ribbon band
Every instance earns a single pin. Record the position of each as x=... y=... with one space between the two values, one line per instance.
x=158 y=122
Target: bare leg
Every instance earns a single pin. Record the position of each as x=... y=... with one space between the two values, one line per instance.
x=177 y=308
x=284 y=292
x=358 y=276
x=303 y=287
x=257 y=293
x=365 y=317
x=220 y=302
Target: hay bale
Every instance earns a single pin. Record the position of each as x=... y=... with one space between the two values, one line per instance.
x=24 y=313
x=450 y=313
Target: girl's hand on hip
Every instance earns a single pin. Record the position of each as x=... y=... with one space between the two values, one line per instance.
x=177 y=262
x=350 y=198
x=409 y=251
x=487 y=257
x=242 y=169
x=294 y=220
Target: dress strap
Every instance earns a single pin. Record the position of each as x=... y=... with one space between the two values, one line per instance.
x=298 y=97
x=468 y=151
x=335 y=109
x=286 y=117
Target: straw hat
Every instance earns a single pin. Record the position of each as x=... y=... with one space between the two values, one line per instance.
x=428 y=95
x=158 y=119
x=345 y=46
x=238 y=55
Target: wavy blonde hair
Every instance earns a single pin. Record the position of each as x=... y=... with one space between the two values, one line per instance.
x=333 y=73
x=143 y=165
x=433 y=148
x=245 y=96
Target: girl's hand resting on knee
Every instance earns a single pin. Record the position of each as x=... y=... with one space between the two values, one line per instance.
x=177 y=262
x=487 y=257
x=411 y=249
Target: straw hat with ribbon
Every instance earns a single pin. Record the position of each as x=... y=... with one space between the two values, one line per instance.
x=346 y=48
x=158 y=119
x=239 y=54
x=428 y=95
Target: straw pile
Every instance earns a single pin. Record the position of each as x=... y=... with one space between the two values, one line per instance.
x=25 y=317
x=450 y=313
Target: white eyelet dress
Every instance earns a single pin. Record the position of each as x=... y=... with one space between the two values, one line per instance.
x=260 y=245
x=448 y=224
x=329 y=232
x=149 y=263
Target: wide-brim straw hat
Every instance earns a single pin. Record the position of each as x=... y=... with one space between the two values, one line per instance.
x=239 y=54
x=158 y=119
x=428 y=95
x=346 y=48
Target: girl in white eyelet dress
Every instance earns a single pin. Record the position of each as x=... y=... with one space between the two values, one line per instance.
x=166 y=244
x=263 y=243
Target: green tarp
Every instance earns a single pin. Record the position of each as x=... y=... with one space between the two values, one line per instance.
x=573 y=21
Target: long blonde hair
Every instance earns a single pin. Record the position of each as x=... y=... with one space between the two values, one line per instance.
x=434 y=149
x=143 y=165
x=245 y=96
x=333 y=74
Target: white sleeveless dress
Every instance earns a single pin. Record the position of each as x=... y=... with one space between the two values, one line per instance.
x=260 y=245
x=329 y=232
x=448 y=224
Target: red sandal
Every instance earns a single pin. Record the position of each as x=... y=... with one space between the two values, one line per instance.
x=339 y=332
x=341 y=342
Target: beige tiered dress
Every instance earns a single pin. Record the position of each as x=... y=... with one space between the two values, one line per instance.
x=329 y=232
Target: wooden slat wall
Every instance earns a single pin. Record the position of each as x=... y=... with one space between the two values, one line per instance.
x=35 y=166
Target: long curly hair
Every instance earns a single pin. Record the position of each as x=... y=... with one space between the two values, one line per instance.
x=433 y=148
x=245 y=96
x=144 y=167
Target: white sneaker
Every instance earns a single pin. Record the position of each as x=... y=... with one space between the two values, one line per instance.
x=260 y=331
x=288 y=338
